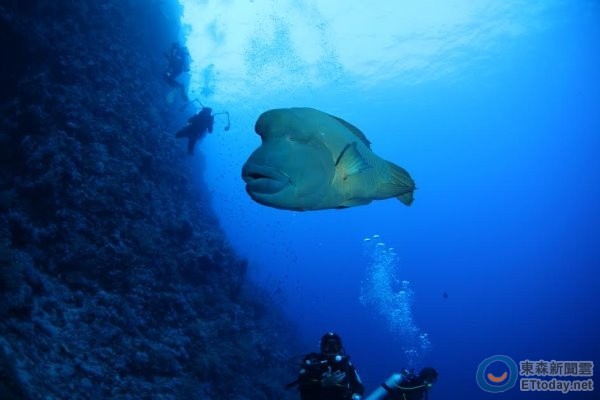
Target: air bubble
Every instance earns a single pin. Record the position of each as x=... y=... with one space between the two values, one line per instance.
x=392 y=298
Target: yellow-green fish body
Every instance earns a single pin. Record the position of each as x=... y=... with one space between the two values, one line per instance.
x=310 y=160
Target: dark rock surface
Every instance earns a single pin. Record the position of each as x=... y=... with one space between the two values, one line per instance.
x=116 y=281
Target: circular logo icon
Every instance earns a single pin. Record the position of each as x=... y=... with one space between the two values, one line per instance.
x=497 y=374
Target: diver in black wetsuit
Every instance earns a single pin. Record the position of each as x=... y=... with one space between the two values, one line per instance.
x=328 y=375
x=197 y=127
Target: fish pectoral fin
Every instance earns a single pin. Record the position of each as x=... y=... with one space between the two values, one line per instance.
x=351 y=162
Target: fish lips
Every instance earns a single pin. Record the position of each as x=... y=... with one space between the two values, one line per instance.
x=261 y=179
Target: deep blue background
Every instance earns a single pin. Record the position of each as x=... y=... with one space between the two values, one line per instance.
x=506 y=217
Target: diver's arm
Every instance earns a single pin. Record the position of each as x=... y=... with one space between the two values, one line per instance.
x=305 y=378
x=355 y=382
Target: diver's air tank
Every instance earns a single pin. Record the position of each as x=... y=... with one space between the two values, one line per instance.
x=381 y=392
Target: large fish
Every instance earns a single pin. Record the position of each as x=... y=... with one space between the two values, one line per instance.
x=310 y=160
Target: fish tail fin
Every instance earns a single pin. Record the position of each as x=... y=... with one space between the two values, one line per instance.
x=406 y=198
x=399 y=185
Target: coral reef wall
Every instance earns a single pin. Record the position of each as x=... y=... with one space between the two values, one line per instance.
x=116 y=281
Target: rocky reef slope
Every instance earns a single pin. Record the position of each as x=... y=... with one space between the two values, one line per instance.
x=116 y=281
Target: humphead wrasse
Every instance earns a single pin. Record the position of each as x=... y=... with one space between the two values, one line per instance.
x=310 y=160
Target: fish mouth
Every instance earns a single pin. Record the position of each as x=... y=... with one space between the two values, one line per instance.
x=264 y=180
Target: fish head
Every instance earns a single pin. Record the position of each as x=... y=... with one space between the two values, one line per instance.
x=292 y=169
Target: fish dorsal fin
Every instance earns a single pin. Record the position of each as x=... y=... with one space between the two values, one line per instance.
x=357 y=132
x=351 y=162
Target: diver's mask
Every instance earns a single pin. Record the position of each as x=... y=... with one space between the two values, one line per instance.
x=331 y=344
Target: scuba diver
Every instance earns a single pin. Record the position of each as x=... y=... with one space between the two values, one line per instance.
x=178 y=58
x=198 y=125
x=406 y=386
x=328 y=375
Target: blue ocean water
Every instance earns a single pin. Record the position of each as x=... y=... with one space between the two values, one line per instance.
x=500 y=250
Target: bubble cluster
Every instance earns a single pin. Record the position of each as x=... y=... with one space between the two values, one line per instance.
x=383 y=291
